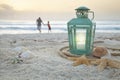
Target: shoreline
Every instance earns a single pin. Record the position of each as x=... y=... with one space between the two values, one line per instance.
x=9 y=32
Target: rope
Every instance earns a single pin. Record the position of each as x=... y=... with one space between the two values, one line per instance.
x=64 y=52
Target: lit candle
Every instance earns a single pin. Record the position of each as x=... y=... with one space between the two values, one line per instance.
x=80 y=39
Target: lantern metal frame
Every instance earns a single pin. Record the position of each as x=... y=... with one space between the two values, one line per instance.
x=81 y=23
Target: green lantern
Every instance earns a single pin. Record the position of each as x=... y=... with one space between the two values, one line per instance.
x=81 y=31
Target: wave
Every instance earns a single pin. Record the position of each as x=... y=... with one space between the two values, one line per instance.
x=101 y=26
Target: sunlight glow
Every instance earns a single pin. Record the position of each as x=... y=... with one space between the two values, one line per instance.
x=40 y=5
x=62 y=9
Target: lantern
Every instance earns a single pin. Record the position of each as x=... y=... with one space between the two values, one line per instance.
x=81 y=31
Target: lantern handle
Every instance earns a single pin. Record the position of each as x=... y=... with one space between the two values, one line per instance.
x=92 y=14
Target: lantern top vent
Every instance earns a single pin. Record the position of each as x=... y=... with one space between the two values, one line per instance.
x=82 y=9
x=82 y=12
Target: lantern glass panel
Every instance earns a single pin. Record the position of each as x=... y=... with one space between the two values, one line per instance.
x=81 y=39
x=73 y=40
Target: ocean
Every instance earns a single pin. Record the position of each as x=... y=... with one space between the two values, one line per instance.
x=26 y=27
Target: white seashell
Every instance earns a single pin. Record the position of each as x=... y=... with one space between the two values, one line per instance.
x=26 y=54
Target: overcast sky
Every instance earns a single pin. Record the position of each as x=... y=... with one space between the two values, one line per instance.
x=57 y=9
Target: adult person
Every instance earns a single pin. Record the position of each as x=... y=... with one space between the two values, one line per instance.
x=39 y=22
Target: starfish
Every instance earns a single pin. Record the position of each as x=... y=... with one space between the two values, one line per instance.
x=79 y=60
x=101 y=63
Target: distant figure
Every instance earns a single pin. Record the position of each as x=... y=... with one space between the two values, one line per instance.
x=49 y=27
x=39 y=21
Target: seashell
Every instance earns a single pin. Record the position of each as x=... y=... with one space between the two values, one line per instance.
x=100 y=52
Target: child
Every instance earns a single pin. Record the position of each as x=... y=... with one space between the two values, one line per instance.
x=49 y=27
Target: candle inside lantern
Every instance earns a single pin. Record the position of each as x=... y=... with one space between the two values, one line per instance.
x=80 y=39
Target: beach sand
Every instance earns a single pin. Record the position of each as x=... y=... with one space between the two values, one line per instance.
x=41 y=60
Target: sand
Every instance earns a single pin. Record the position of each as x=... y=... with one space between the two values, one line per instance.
x=41 y=60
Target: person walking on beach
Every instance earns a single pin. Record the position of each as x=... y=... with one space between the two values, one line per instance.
x=39 y=21
x=49 y=27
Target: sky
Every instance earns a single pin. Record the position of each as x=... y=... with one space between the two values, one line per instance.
x=57 y=9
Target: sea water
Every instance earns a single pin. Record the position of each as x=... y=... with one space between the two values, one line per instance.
x=24 y=27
